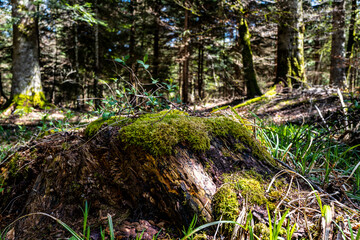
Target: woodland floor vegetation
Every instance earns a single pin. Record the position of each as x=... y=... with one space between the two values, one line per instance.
x=313 y=139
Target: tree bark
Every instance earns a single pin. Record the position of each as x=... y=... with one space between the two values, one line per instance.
x=200 y=83
x=247 y=58
x=26 y=89
x=185 y=73
x=351 y=42
x=52 y=93
x=338 y=63
x=1 y=89
x=156 y=41
x=290 y=67
x=96 y=77
x=317 y=59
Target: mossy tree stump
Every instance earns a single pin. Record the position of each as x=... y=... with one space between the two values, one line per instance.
x=160 y=167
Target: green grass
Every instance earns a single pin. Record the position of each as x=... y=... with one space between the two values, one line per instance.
x=312 y=152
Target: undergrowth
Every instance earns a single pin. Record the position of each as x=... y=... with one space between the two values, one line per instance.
x=313 y=152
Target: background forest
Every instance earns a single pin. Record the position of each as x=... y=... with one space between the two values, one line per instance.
x=199 y=50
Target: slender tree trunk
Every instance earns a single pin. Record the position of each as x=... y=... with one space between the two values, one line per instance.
x=180 y=79
x=247 y=58
x=76 y=48
x=26 y=89
x=200 y=72
x=290 y=67
x=317 y=60
x=351 y=42
x=1 y=89
x=338 y=63
x=96 y=77
x=52 y=94
x=132 y=51
x=156 y=41
x=185 y=74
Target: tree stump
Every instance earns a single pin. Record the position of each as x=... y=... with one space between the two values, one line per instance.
x=155 y=170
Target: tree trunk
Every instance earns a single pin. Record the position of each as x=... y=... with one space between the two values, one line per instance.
x=338 y=63
x=200 y=83
x=351 y=42
x=96 y=77
x=26 y=89
x=52 y=93
x=156 y=41
x=132 y=52
x=247 y=58
x=185 y=73
x=317 y=59
x=290 y=66
x=2 y=94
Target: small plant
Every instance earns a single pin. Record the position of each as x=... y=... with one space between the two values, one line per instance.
x=187 y=232
x=75 y=236
x=192 y=230
x=352 y=235
x=133 y=96
x=274 y=230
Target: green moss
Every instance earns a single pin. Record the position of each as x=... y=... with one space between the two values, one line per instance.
x=262 y=231
x=25 y=101
x=262 y=98
x=159 y=133
x=222 y=127
x=225 y=205
x=253 y=190
x=240 y=147
x=249 y=187
x=95 y=126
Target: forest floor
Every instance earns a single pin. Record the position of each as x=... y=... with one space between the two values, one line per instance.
x=303 y=106
x=320 y=107
x=298 y=106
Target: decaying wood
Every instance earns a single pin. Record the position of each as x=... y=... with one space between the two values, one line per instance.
x=65 y=170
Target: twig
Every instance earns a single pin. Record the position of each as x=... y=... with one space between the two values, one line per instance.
x=287 y=192
x=322 y=118
x=346 y=122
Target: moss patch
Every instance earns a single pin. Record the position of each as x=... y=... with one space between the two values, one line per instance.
x=95 y=126
x=223 y=127
x=269 y=94
x=159 y=133
x=225 y=205
x=24 y=103
x=262 y=231
x=249 y=187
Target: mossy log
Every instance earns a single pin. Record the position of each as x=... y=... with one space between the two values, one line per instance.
x=160 y=168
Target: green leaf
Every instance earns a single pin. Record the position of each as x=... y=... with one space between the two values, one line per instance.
x=119 y=60
x=111 y=227
x=146 y=58
x=146 y=66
